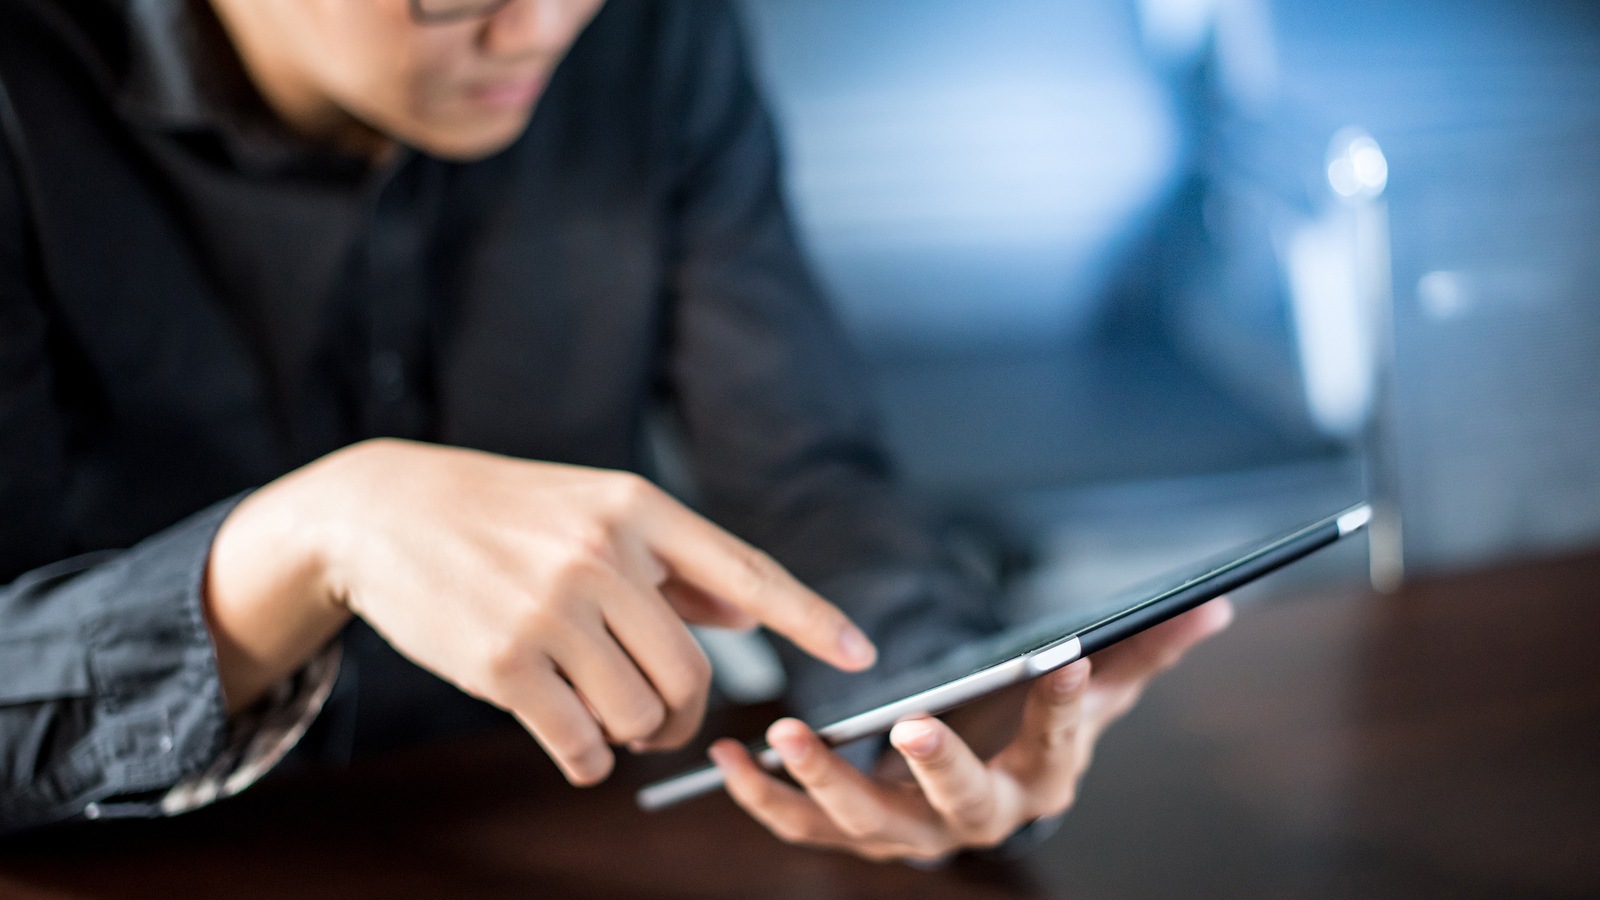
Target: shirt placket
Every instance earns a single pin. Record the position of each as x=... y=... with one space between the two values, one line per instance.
x=393 y=294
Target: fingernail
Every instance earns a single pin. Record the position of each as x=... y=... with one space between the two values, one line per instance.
x=1224 y=615
x=794 y=748
x=720 y=754
x=792 y=751
x=638 y=747
x=916 y=738
x=856 y=647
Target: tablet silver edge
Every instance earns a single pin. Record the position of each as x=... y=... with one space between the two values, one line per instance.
x=874 y=721
x=1354 y=519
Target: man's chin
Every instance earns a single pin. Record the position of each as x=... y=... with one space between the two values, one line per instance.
x=471 y=143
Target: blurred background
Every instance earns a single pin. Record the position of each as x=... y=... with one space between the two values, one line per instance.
x=1140 y=280
x=1143 y=279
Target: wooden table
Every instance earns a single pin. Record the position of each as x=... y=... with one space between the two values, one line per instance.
x=1444 y=742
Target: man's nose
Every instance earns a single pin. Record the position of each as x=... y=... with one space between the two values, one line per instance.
x=534 y=27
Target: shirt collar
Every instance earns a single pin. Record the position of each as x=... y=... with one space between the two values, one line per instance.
x=184 y=78
x=169 y=61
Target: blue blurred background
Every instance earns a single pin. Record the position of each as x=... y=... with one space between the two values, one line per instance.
x=1138 y=279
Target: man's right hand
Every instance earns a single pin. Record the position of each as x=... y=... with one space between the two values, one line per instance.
x=559 y=593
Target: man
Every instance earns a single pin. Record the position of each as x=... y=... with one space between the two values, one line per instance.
x=269 y=269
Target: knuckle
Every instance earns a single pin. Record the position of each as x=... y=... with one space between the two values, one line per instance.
x=683 y=721
x=630 y=492
x=638 y=723
x=1053 y=797
x=752 y=571
x=989 y=837
x=1061 y=739
x=884 y=854
x=379 y=449
x=536 y=622
x=971 y=813
x=673 y=739
x=1062 y=799
x=863 y=824
x=505 y=659
x=792 y=832
x=812 y=773
x=941 y=762
x=677 y=731
x=753 y=792
x=689 y=683
x=589 y=544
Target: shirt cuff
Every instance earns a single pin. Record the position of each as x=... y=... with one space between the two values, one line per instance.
x=261 y=737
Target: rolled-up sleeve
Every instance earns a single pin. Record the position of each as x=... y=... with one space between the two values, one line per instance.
x=109 y=691
x=109 y=694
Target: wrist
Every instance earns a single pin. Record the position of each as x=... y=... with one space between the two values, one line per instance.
x=327 y=521
x=265 y=595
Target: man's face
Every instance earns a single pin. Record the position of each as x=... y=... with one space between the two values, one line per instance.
x=462 y=89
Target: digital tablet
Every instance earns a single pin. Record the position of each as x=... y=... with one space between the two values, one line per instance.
x=1026 y=652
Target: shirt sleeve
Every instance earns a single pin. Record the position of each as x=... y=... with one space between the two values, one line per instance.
x=261 y=738
x=109 y=693
x=110 y=688
x=781 y=436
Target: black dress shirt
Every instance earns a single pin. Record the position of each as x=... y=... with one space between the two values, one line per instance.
x=193 y=303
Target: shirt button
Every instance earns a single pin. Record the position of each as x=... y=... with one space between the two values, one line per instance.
x=388 y=373
x=92 y=811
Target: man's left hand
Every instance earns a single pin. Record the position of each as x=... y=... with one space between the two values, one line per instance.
x=946 y=797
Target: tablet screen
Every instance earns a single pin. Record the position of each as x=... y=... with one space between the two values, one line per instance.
x=1019 y=640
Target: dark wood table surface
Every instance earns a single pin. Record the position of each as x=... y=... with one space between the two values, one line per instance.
x=1442 y=742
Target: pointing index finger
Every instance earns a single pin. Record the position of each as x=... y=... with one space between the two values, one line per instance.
x=738 y=574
